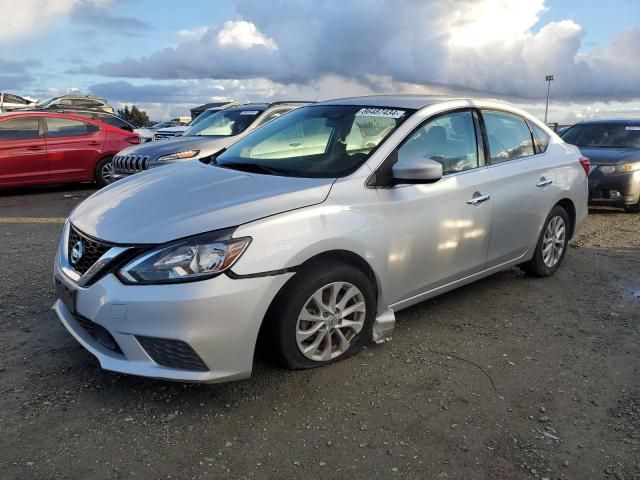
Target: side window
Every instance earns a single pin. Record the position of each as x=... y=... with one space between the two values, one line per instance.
x=19 y=129
x=65 y=127
x=449 y=139
x=542 y=137
x=508 y=135
x=115 y=121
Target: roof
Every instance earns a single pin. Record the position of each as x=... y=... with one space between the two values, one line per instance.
x=207 y=106
x=397 y=101
x=610 y=120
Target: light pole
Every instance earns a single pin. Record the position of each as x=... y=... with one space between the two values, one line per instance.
x=548 y=79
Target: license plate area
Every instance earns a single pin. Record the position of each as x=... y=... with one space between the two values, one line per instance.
x=66 y=293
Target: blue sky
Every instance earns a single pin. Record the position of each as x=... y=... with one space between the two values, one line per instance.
x=167 y=56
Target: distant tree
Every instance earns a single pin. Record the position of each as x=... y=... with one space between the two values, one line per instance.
x=134 y=115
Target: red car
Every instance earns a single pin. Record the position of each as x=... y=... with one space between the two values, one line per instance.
x=39 y=148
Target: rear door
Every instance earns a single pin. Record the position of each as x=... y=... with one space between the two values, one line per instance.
x=23 y=154
x=74 y=147
x=522 y=185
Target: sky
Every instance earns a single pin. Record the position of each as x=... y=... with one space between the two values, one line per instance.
x=168 y=56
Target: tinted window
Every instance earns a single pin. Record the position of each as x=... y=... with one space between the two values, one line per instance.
x=271 y=116
x=542 y=137
x=449 y=139
x=224 y=123
x=509 y=137
x=14 y=99
x=64 y=127
x=616 y=135
x=19 y=128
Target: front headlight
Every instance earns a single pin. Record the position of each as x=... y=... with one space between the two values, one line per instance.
x=621 y=168
x=186 y=260
x=178 y=156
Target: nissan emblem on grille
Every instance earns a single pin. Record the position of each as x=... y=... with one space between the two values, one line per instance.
x=76 y=252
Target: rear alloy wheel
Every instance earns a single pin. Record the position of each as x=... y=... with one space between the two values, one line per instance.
x=104 y=172
x=324 y=314
x=552 y=244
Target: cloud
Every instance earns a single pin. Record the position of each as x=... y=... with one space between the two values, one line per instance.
x=493 y=46
x=98 y=16
x=25 y=18
x=16 y=74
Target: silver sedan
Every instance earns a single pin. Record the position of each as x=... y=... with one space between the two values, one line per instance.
x=311 y=233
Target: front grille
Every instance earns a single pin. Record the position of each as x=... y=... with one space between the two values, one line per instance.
x=130 y=163
x=92 y=250
x=98 y=333
x=172 y=353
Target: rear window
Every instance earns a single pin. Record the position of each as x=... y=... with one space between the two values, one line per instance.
x=612 y=135
x=19 y=128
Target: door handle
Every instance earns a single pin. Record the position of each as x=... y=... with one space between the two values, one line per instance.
x=295 y=144
x=544 y=182
x=478 y=198
x=34 y=148
x=94 y=143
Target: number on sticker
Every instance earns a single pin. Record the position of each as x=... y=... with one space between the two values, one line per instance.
x=380 y=112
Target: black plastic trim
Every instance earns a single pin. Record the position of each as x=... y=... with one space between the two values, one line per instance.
x=272 y=273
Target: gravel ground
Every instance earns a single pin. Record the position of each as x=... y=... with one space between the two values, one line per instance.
x=511 y=377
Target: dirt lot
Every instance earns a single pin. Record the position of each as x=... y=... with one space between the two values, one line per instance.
x=512 y=377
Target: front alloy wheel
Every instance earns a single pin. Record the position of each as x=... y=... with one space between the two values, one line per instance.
x=329 y=320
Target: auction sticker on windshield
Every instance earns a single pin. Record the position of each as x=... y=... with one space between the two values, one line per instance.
x=632 y=127
x=249 y=112
x=380 y=112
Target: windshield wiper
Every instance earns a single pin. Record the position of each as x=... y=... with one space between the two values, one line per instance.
x=253 y=167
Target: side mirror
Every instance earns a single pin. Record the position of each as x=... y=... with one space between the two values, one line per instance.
x=417 y=170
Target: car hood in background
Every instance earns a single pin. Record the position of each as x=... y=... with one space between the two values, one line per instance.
x=159 y=148
x=176 y=201
x=608 y=156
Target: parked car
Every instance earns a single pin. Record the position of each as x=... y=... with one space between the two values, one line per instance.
x=173 y=273
x=9 y=101
x=46 y=147
x=212 y=134
x=614 y=149
x=146 y=133
x=98 y=116
x=88 y=102
x=177 y=131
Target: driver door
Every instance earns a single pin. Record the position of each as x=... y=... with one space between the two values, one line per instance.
x=439 y=232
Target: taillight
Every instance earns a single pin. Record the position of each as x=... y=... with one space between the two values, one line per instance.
x=585 y=162
x=135 y=139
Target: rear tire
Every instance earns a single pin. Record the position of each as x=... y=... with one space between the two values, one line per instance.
x=103 y=172
x=552 y=244
x=327 y=336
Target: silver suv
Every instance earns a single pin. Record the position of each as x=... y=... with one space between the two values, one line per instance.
x=204 y=138
x=312 y=232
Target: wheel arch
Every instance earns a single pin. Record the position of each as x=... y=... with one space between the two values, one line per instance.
x=339 y=255
x=570 y=208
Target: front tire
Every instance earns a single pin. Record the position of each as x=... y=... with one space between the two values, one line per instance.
x=635 y=208
x=323 y=315
x=552 y=244
x=103 y=172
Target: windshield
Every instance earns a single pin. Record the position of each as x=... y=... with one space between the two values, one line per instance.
x=611 y=135
x=46 y=103
x=160 y=125
x=224 y=123
x=324 y=141
x=202 y=116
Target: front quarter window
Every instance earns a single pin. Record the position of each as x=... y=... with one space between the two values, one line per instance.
x=322 y=141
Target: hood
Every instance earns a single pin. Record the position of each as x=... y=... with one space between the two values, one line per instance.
x=185 y=199
x=609 y=156
x=156 y=149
